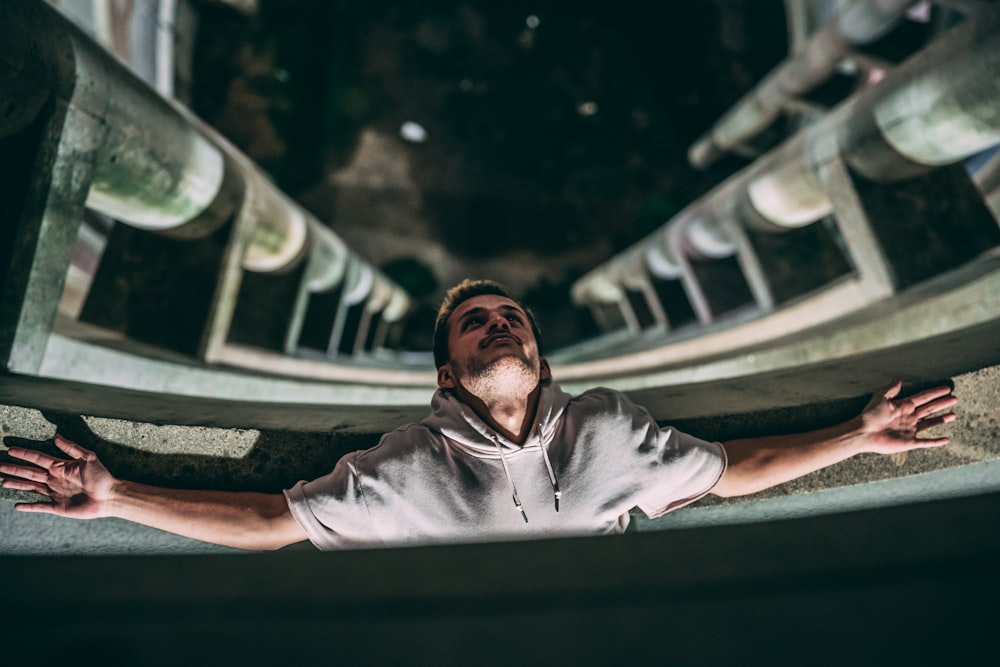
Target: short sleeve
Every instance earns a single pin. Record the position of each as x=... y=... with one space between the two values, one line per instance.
x=666 y=468
x=694 y=468
x=332 y=509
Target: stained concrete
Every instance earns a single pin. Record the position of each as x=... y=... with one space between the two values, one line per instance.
x=270 y=460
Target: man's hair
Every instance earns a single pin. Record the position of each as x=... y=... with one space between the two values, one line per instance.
x=464 y=291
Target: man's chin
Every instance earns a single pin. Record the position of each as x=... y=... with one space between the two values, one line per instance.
x=505 y=363
x=512 y=357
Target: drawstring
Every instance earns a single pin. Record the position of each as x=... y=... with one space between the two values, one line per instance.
x=503 y=460
x=556 y=493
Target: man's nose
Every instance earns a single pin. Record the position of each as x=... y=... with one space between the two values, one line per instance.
x=499 y=322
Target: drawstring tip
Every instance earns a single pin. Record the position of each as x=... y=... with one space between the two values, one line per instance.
x=520 y=509
x=524 y=516
x=556 y=496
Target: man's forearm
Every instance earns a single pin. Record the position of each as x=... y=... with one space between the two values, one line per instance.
x=888 y=424
x=242 y=520
x=756 y=464
x=80 y=487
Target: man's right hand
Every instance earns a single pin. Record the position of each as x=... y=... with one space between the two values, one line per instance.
x=80 y=487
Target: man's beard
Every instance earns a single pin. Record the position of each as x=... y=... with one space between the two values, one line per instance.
x=498 y=378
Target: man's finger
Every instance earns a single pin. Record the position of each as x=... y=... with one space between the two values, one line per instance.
x=929 y=395
x=892 y=390
x=40 y=459
x=24 y=472
x=931 y=422
x=71 y=448
x=937 y=405
x=43 y=507
x=932 y=442
x=24 y=485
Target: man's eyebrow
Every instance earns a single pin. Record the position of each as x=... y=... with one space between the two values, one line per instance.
x=479 y=310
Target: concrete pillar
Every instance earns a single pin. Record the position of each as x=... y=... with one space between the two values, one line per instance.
x=358 y=285
x=275 y=237
x=50 y=144
x=318 y=296
x=395 y=311
x=599 y=289
x=719 y=258
x=377 y=301
x=634 y=278
x=987 y=179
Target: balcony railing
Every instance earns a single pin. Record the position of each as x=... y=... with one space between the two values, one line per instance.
x=868 y=207
x=141 y=254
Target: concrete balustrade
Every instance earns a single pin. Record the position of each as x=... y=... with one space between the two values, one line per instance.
x=208 y=254
x=718 y=380
x=939 y=107
x=228 y=250
x=150 y=167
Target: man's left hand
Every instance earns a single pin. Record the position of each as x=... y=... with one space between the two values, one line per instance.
x=894 y=424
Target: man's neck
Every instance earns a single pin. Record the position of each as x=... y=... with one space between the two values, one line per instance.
x=510 y=415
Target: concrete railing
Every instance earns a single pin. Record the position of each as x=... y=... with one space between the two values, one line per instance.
x=203 y=256
x=214 y=290
x=937 y=109
x=816 y=56
x=842 y=222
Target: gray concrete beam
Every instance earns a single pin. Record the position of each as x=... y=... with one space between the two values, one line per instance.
x=911 y=585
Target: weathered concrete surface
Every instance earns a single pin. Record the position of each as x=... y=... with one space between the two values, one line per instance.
x=912 y=585
x=269 y=460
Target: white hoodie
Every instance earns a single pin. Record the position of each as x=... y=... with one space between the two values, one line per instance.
x=452 y=478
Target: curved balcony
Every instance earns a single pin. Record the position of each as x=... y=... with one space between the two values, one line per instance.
x=155 y=283
x=207 y=279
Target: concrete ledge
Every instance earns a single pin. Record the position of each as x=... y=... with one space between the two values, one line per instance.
x=906 y=585
x=947 y=326
x=959 y=482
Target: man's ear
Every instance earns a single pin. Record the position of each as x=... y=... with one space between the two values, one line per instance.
x=545 y=373
x=446 y=379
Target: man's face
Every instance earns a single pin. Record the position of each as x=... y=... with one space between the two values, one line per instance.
x=489 y=333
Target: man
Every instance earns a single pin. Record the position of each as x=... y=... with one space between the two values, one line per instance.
x=504 y=454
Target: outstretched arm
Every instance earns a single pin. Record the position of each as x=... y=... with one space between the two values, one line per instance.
x=82 y=488
x=887 y=425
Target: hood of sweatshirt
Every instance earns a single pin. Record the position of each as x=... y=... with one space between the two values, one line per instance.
x=463 y=428
x=459 y=423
